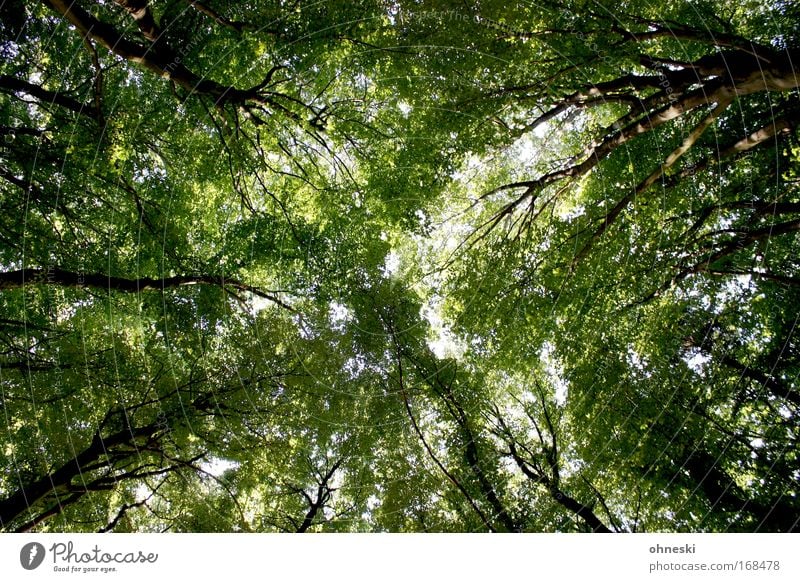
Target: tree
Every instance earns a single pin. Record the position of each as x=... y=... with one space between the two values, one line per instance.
x=391 y=266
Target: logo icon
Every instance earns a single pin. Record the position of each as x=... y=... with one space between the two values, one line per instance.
x=31 y=555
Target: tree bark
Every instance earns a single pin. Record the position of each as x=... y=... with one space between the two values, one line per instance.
x=12 y=85
x=26 y=497
x=55 y=276
x=714 y=79
x=723 y=493
x=158 y=57
x=583 y=511
x=140 y=12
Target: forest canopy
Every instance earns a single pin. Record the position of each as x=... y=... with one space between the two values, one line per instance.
x=369 y=266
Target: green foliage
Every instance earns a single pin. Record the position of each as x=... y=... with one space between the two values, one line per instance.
x=399 y=266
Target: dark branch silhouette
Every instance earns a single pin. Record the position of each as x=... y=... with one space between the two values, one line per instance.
x=55 y=276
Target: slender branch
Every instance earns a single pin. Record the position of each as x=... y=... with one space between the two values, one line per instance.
x=418 y=432
x=120 y=514
x=218 y=18
x=670 y=160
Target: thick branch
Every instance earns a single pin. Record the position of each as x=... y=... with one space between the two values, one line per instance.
x=162 y=61
x=323 y=495
x=775 y=386
x=678 y=31
x=54 y=509
x=56 y=276
x=120 y=514
x=140 y=12
x=716 y=79
x=670 y=160
x=739 y=243
x=583 y=511
x=767 y=133
x=533 y=471
x=723 y=493
x=783 y=279
x=24 y=498
x=745 y=240
x=11 y=85
x=418 y=432
x=471 y=454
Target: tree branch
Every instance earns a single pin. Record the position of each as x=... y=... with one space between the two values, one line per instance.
x=218 y=18
x=12 y=85
x=26 y=497
x=670 y=160
x=418 y=432
x=55 y=276
x=163 y=60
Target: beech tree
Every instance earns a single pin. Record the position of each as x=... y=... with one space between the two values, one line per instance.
x=391 y=266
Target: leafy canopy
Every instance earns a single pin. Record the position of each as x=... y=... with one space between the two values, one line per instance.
x=399 y=266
